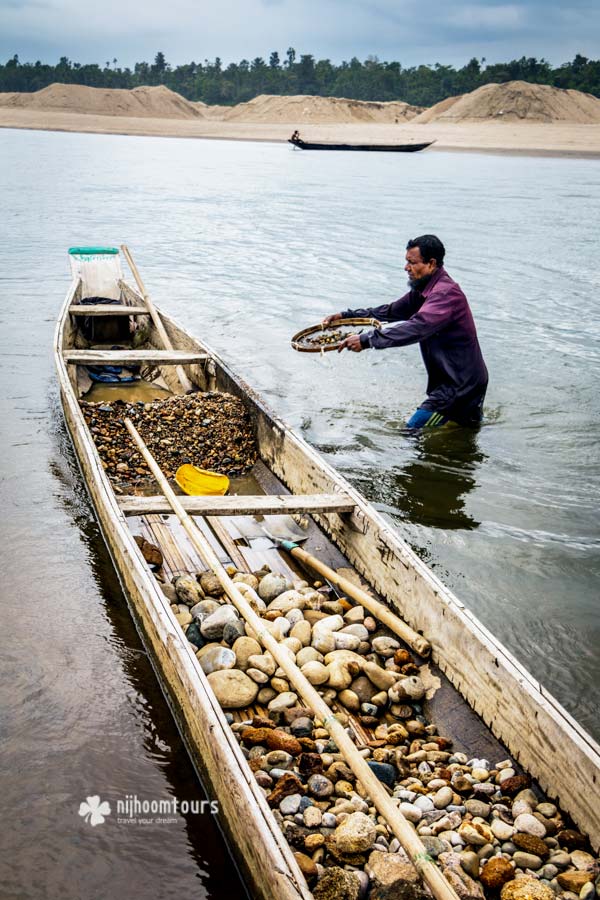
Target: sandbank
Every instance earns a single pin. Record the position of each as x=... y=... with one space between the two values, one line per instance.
x=535 y=138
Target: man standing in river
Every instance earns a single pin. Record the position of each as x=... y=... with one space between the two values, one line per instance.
x=434 y=313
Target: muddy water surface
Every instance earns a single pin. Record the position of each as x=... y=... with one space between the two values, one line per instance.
x=246 y=244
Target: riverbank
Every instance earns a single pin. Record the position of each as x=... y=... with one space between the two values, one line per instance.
x=539 y=138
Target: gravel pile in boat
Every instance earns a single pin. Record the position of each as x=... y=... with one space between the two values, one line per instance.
x=211 y=431
x=490 y=832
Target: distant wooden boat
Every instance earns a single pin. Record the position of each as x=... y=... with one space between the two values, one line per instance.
x=346 y=531
x=381 y=148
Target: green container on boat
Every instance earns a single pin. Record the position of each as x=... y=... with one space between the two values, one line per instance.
x=93 y=251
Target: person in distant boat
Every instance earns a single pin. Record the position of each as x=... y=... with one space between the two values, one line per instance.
x=295 y=138
x=434 y=313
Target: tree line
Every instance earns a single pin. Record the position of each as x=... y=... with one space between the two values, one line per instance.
x=373 y=79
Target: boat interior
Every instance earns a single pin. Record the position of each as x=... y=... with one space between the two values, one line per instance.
x=470 y=678
x=112 y=340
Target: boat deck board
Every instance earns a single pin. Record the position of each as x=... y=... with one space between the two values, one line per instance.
x=235 y=505
x=119 y=357
x=107 y=309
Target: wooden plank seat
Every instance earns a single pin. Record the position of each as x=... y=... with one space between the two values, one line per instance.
x=244 y=505
x=107 y=309
x=135 y=357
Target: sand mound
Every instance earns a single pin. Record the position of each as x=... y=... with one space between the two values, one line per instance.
x=212 y=112
x=516 y=101
x=305 y=109
x=155 y=102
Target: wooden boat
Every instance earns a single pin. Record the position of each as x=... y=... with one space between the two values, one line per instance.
x=381 y=148
x=537 y=731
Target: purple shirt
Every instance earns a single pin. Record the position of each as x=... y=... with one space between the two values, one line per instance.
x=440 y=320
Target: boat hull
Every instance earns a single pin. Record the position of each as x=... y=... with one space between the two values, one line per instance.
x=378 y=148
x=539 y=733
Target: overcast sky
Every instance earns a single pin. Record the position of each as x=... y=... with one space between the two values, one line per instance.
x=411 y=31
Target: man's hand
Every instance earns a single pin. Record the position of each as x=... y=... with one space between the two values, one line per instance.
x=333 y=318
x=352 y=342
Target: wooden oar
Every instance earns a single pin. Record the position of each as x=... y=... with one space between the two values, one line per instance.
x=403 y=830
x=381 y=612
x=185 y=382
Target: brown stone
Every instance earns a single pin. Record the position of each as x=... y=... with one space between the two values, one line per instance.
x=410 y=669
x=512 y=786
x=262 y=722
x=256 y=763
x=281 y=740
x=210 y=584
x=150 y=552
x=307 y=744
x=571 y=840
x=273 y=614
x=255 y=736
x=574 y=881
x=442 y=742
x=286 y=785
x=312 y=842
x=307 y=866
x=337 y=884
x=296 y=712
x=344 y=859
x=465 y=886
x=369 y=722
x=549 y=824
x=526 y=889
x=310 y=764
x=462 y=785
x=393 y=877
x=531 y=844
x=402 y=657
x=295 y=835
x=364 y=689
x=339 y=769
x=496 y=872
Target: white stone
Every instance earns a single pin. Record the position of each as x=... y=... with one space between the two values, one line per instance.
x=315 y=672
x=344 y=641
x=329 y=623
x=357 y=630
x=212 y=627
x=264 y=662
x=443 y=797
x=233 y=689
x=528 y=824
x=217 y=658
x=502 y=830
x=283 y=701
x=287 y=601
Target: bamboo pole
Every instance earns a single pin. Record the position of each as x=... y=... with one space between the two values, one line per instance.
x=402 y=829
x=186 y=384
x=381 y=612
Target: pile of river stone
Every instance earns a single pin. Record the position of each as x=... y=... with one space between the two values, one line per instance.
x=489 y=831
x=211 y=431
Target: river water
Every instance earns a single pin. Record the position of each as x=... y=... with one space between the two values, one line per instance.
x=245 y=244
